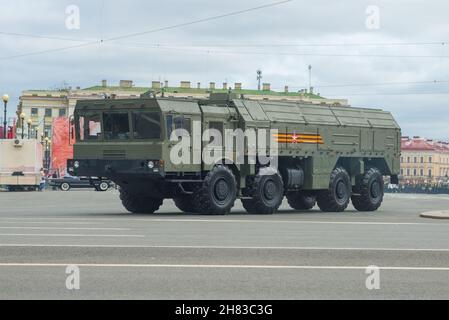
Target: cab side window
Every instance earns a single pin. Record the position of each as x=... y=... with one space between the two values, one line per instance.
x=147 y=125
x=177 y=122
x=216 y=125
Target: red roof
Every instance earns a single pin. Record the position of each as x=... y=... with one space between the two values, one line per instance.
x=422 y=144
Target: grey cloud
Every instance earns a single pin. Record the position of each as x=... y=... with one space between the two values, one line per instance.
x=295 y=22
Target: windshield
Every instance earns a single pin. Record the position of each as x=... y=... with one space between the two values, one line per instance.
x=89 y=126
x=116 y=126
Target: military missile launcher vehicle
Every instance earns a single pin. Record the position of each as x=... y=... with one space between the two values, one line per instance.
x=328 y=155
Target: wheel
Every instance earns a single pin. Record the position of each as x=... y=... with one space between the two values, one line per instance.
x=103 y=186
x=266 y=192
x=336 y=198
x=370 y=191
x=138 y=203
x=301 y=200
x=185 y=204
x=65 y=186
x=217 y=193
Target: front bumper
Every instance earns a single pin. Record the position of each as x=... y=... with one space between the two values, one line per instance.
x=112 y=169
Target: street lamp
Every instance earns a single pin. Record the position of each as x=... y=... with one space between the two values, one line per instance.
x=29 y=122
x=49 y=154
x=22 y=118
x=5 y=99
x=46 y=152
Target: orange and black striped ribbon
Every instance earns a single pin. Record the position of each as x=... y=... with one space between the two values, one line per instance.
x=298 y=138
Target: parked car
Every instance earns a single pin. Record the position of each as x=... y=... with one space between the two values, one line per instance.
x=68 y=182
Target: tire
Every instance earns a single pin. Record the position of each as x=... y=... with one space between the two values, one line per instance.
x=103 y=186
x=139 y=204
x=217 y=194
x=370 y=191
x=337 y=197
x=301 y=200
x=65 y=186
x=267 y=193
x=185 y=204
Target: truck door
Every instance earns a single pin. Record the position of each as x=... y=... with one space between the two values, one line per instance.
x=218 y=118
x=186 y=122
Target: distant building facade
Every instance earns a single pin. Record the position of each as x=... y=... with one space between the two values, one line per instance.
x=41 y=106
x=424 y=160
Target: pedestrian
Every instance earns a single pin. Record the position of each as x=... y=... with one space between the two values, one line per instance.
x=42 y=182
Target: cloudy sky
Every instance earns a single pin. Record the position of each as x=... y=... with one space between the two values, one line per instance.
x=383 y=54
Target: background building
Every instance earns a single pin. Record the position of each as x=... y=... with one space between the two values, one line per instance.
x=424 y=160
x=41 y=106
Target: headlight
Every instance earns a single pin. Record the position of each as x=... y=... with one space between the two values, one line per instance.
x=76 y=164
x=150 y=164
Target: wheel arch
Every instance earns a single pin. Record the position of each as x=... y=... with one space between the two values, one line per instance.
x=231 y=165
x=358 y=165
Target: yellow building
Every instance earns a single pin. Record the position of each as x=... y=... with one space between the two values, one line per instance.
x=424 y=160
x=41 y=106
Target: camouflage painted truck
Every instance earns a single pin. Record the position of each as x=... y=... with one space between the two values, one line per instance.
x=327 y=155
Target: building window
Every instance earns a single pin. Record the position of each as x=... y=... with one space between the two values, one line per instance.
x=422 y=159
x=47 y=131
x=48 y=112
x=421 y=172
x=415 y=160
x=414 y=172
x=408 y=172
x=34 y=112
x=430 y=159
x=402 y=172
x=430 y=172
x=62 y=112
x=408 y=159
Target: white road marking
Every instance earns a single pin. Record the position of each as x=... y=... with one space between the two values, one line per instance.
x=295 y=222
x=215 y=266
x=218 y=220
x=70 y=235
x=412 y=196
x=66 y=228
x=222 y=247
x=48 y=222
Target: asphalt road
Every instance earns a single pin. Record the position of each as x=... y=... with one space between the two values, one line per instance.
x=170 y=255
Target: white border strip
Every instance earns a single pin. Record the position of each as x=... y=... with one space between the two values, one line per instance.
x=215 y=266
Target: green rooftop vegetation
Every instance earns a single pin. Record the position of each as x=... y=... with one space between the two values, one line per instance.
x=200 y=91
